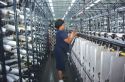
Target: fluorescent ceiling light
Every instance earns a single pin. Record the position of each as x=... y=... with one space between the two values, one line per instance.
x=79 y=13
x=69 y=8
x=53 y=14
x=51 y=6
x=91 y=5
x=87 y=8
x=73 y=1
x=52 y=9
x=97 y=1
x=66 y=12
x=3 y=3
x=63 y=16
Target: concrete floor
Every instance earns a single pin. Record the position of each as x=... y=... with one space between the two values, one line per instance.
x=49 y=74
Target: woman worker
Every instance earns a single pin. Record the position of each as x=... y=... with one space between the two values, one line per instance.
x=61 y=47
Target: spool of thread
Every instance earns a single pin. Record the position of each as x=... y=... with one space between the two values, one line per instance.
x=9 y=42
x=8 y=48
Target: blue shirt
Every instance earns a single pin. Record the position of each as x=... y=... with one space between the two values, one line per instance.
x=61 y=46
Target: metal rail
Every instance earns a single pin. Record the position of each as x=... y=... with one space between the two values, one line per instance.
x=17 y=40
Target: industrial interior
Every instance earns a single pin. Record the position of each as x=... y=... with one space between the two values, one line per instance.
x=27 y=40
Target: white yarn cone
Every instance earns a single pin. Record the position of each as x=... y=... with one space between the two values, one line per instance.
x=10 y=79
x=22 y=38
x=7 y=68
x=15 y=77
x=14 y=51
x=119 y=34
x=11 y=37
x=29 y=46
x=10 y=27
x=11 y=61
x=22 y=51
x=14 y=71
x=21 y=17
x=121 y=9
x=8 y=48
x=20 y=55
x=9 y=42
x=3 y=30
x=29 y=28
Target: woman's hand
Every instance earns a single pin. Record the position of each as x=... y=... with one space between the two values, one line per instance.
x=73 y=34
x=70 y=37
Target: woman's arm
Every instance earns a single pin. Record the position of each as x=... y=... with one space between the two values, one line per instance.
x=70 y=37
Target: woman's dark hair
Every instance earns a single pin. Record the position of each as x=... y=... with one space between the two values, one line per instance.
x=59 y=23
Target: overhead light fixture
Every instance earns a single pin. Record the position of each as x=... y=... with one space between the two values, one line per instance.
x=97 y=1
x=66 y=12
x=80 y=13
x=87 y=8
x=53 y=14
x=51 y=6
x=69 y=8
x=63 y=16
x=91 y=5
x=52 y=9
x=3 y=3
x=73 y=1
